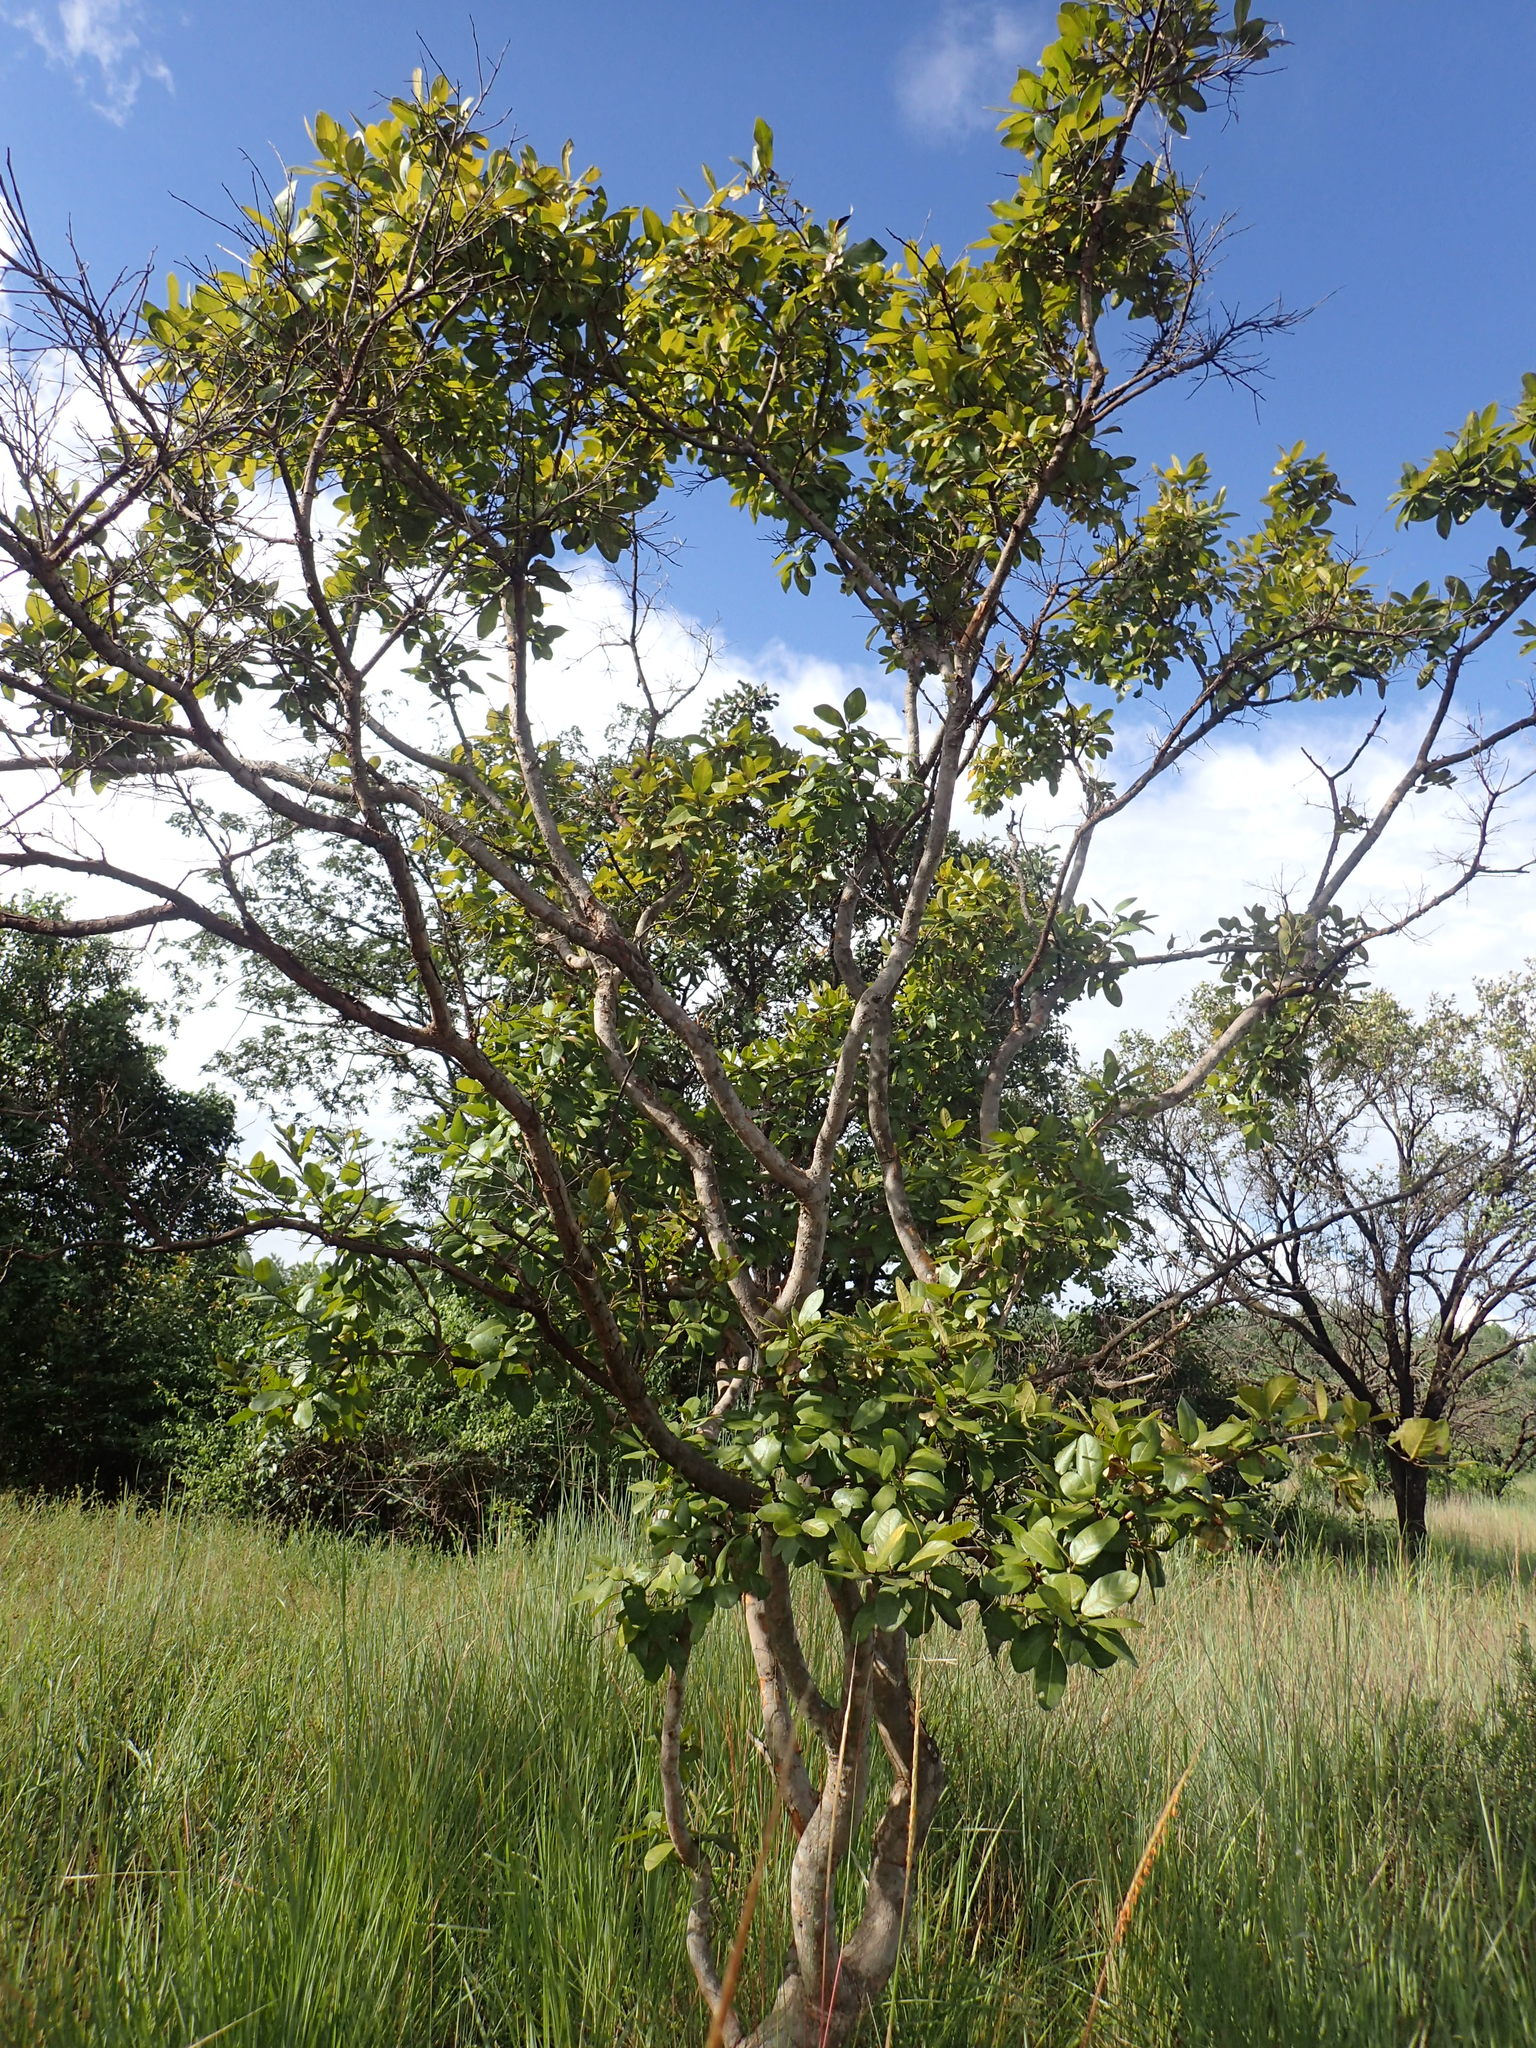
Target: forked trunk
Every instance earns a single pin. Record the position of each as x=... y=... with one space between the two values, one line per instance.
x=831 y=1979
x=823 y=2011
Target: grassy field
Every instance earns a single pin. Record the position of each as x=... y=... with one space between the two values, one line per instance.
x=288 y=1794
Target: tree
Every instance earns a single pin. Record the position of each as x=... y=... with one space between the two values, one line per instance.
x=1384 y=1227
x=746 y=1095
x=100 y=1159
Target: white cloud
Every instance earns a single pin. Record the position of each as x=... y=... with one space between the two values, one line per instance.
x=1239 y=822
x=100 y=43
x=1243 y=822
x=591 y=679
x=964 y=62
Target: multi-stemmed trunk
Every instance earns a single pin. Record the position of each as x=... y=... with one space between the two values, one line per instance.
x=831 y=1979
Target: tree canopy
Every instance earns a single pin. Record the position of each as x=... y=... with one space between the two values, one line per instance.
x=100 y=1160
x=733 y=1027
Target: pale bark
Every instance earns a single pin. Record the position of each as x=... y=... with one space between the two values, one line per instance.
x=832 y=1979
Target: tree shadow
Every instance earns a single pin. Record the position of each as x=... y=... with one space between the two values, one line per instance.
x=1371 y=1543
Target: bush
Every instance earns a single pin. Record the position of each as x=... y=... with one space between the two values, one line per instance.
x=432 y=1463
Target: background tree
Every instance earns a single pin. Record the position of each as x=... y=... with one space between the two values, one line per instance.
x=107 y=1349
x=432 y=1461
x=1384 y=1225
x=745 y=1099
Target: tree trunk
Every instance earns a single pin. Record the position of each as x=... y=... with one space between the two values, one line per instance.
x=1410 y=1492
x=852 y=1974
x=831 y=1981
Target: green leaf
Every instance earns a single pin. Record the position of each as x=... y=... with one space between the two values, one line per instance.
x=1113 y=1591
x=1040 y=1544
x=657 y=1854
x=885 y=1541
x=1026 y=1650
x=1422 y=1437
x=1087 y=1543
x=1179 y=1474
x=1062 y=1593
x=1051 y=1678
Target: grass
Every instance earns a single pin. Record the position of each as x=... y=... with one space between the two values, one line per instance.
x=295 y=1794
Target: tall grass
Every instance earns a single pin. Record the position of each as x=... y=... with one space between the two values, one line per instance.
x=295 y=1794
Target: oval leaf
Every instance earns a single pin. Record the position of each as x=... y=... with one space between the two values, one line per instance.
x=1087 y=1543
x=1106 y=1595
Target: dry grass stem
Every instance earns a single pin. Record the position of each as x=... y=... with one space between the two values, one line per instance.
x=737 y=1956
x=1149 y=1856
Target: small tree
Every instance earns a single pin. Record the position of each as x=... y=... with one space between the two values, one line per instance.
x=747 y=1092
x=1383 y=1227
x=105 y=1346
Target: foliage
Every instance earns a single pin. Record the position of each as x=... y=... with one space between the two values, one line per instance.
x=739 y=1050
x=108 y=1349
x=430 y=1460
x=947 y=1491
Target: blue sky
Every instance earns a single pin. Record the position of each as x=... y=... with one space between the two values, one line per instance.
x=1380 y=174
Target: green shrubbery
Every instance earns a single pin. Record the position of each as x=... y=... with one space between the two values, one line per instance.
x=431 y=1463
x=108 y=1350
